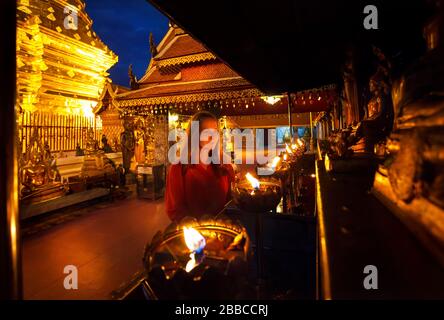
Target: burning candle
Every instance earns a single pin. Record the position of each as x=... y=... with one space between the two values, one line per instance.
x=300 y=143
x=288 y=149
x=254 y=182
x=195 y=243
x=275 y=162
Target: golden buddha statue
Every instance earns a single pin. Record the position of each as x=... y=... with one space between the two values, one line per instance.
x=95 y=162
x=92 y=146
x=39 y=173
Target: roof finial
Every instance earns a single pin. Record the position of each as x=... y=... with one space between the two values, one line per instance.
x=133 y=80
x=153 y=48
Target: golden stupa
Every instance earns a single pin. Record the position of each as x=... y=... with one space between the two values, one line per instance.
x=61 y=63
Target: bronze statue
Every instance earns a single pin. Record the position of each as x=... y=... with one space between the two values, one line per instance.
x=378 y=121
x=92 y=146
x=105 y=145
x=128 y=143
x=79 y=151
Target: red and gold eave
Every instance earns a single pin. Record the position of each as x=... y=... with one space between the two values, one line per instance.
x=185 y=77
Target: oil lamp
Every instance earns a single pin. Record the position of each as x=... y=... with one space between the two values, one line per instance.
x=203 y=258
x=253 y=195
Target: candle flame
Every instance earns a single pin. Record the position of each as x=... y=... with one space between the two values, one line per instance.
x=285 y=157
x=288 y=149
x=275 y=162
x=253 y=181
x=195 y=243
x=300 y=142
x=194 y=240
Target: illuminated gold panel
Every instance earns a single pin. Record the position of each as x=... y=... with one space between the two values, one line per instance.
x=58 y=70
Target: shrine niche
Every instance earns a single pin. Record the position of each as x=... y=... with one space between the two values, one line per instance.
x=108 y=115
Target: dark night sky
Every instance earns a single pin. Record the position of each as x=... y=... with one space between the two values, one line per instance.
x=124 y=26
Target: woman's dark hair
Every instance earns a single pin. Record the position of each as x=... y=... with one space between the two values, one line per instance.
x=201 y=116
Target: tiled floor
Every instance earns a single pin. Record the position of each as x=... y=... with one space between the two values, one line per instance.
x=106 y=245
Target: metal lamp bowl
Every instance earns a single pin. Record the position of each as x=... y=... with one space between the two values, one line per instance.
x=266 y=198
x=282 y=172
x=166 y=256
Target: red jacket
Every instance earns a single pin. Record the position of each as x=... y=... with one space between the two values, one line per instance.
x=195 y=190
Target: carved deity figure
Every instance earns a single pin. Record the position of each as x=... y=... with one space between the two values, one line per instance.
x=133 y=80
x=153 y=48
x=39 y=166
x=127 y=141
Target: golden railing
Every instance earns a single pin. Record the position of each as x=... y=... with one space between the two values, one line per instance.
x=61 y=132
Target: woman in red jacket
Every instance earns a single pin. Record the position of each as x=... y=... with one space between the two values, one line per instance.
x=198 y=189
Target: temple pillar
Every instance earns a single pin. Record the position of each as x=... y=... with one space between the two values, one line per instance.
x=10 y=249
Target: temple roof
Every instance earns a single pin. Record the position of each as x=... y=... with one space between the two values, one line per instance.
x=180 y=45
x=183 y=70
x=184 y=74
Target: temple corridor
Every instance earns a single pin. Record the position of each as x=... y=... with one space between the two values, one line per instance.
x=106 y=245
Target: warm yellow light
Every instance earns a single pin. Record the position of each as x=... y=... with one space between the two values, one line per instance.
x=288 y=149
x=272 y=99
x=275 y=162
x=173 y=117
x=253 y=181
x=300 y=143
x=87 y=111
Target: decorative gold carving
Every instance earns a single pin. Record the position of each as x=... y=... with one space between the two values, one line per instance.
x=207 y=96
x=186 y=59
